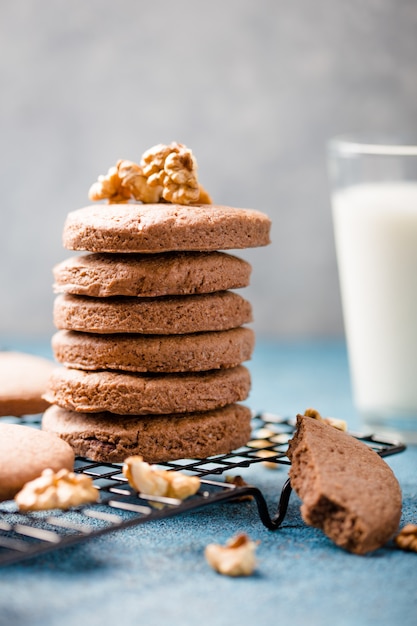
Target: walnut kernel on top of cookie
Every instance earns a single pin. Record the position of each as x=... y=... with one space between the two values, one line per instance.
x=166 y=173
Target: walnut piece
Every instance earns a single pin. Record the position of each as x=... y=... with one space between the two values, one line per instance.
x=331 y=421
x=151 y=481
x=180 y=183
x=173 y=169
x=136 y=183
x=110 y=187
x=265 y=454
x=407 y=538
x=238 y=481
x=167 y=173
x=153 y=161
x=204 y=197
x=236 y=558
x=60 y=490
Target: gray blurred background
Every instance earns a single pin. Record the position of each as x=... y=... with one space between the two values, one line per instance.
x=254 y=88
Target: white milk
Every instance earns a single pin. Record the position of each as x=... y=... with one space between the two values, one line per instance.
x=376 y=243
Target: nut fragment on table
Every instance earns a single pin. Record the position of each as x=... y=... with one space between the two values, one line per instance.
x=331 y=421
x=236 y=558
x=60 y=490
x=151 y=481
x=407 y=538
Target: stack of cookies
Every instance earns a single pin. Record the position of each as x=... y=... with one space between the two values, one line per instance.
x=151 y=338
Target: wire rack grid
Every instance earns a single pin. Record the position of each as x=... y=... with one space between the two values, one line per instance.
x=26 y=535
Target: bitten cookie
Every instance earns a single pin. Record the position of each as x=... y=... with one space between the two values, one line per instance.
x=23 y=381
x=347 y=489
x=104 y=275
x=154 y=353
x=169 y=315
x=164 y=227
x=112 y=438
x=25 y=452
x=141 y=394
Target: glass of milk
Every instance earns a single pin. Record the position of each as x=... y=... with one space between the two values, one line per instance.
x=374 y=205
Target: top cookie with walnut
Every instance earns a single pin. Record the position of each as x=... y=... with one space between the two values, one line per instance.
x=158 y=205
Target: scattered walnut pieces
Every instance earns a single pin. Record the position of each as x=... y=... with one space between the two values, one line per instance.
x=60 y=490
x=264 y=433
x=236 y=558
x=263 y=443
x=265 y=454
x=407 y=538
x=336 y=423
x=151 y=481
x=331 y=421
x=235 y=480
x=167 y=173
x=238 y=481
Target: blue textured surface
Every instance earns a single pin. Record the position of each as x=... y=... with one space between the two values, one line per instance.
x=156 y=573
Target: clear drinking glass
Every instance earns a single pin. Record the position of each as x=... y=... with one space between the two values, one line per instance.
x=374 y=205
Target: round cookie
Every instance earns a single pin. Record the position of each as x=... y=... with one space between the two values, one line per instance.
x=25 y=452
x=23 y=381
x=154 y=353
x=142 y=394
x=169 y=315
x=178 y=273
x=112 y=438
x=164 y=227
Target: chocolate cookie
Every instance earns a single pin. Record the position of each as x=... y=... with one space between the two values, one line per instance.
x=142 y=394
x=23 y=381
x=164 y=227
x=180 y=273
x=25 y=452
x=111 y=438
x=154 y=353
x=347 y=489
x=169 y=315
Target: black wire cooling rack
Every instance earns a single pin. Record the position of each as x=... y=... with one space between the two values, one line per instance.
x=25 y=535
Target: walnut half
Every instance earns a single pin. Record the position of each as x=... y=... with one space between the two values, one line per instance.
x=151 y=481
x=166 y=173
x=236 y=558
x=173 y=169
x=60 y=490
x=109 y=187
